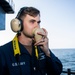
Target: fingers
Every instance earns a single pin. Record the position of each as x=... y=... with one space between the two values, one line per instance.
x=42 y=41
x=44 y=38
x=46 y=33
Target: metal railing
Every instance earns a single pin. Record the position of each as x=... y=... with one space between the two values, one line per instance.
x=68 y=72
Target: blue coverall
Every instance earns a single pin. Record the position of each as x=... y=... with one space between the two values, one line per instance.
x=25 y=64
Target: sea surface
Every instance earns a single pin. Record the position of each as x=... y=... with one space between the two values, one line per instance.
x=67 y=57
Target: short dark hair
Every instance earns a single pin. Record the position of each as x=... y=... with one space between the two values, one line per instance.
x=27 y=10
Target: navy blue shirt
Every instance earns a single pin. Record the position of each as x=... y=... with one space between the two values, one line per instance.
x=25 y=64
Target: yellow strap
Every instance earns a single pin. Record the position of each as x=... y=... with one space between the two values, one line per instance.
x=36 y=52
x=17 y=49
x=16 y=46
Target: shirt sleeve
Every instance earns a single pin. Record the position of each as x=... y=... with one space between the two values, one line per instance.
x=1 y=60
x=53 y=65
x=2 y=63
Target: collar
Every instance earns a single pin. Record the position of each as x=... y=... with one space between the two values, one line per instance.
x=17 y=47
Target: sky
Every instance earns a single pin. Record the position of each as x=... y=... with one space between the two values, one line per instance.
x=57 y=17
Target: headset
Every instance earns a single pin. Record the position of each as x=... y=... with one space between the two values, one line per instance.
x=16 y=23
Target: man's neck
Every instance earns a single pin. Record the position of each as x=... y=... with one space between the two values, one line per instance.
x=25 y=40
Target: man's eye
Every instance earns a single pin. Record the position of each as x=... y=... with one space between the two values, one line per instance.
x=32 y=21
x=39 y=22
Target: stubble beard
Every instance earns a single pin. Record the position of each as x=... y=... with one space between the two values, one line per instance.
x=27 y=35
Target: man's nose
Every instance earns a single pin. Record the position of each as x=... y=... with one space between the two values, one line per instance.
x=37 y=25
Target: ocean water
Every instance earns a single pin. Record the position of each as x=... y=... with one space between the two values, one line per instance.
x=67 y=57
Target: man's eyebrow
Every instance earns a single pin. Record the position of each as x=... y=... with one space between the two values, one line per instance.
x=35 y=21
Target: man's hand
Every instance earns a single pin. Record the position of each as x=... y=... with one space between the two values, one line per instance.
x=43 y=43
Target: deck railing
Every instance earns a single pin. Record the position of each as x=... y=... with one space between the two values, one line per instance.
x=68 y=72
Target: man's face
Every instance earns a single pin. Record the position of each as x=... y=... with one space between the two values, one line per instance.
x=29 y=23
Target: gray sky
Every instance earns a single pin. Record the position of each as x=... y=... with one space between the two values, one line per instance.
x=57 y=16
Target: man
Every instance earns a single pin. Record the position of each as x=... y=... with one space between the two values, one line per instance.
x=24 y=56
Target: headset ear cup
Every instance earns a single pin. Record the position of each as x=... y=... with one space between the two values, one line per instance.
x=16 y=25
x=21 y=23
